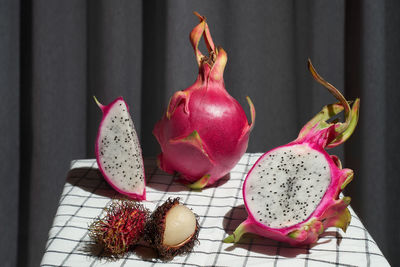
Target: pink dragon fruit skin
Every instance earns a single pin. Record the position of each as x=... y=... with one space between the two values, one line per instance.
x=205 y=131
x=324 y=208
x=121 y=163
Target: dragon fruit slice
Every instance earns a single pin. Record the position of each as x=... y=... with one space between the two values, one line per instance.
x=205 y=131
x=291 y=193
x=118 y=151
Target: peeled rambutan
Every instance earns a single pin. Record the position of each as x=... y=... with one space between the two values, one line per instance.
x=173 y=229
x=119 y=227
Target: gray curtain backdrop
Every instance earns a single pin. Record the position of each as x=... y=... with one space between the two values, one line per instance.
x=54 y=55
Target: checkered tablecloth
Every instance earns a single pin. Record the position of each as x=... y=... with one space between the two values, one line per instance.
x=220 y=209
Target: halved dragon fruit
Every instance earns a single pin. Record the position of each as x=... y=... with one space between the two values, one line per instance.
x=118 y=151
x=291 y=193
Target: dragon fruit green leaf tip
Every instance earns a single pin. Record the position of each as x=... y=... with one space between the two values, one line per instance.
x=204 y=131
x=291 y=194
x=118 y=152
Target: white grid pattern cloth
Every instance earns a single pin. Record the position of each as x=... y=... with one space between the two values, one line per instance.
x=220 y=209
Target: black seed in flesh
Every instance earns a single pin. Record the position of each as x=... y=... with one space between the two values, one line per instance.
x=294 y=190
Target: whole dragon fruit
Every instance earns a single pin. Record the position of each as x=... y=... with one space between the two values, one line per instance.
x=205 y=130
x=291 y=193
x=118 y=151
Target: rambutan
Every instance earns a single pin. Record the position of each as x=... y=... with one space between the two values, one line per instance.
x=119 y=227
x=173 y=229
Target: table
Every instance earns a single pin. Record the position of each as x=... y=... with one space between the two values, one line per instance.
x=220 y=209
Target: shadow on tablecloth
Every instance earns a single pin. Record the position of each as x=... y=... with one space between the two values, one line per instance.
x=88 y=178
x=238 y=214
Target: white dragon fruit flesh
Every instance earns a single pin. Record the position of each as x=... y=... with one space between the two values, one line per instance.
x=291 y=194
x=118 y=152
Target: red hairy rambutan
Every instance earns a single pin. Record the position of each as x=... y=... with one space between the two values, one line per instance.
x=120 y=226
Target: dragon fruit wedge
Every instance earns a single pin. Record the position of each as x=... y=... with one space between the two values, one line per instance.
x=118 y=151
x=291 y=194
x=205 y=130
